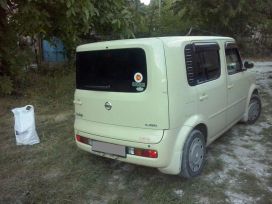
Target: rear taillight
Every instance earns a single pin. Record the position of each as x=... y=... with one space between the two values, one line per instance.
x=81 y=139
x=143 y=152
x=130 y=150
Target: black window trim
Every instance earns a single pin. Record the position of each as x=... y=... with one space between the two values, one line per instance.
x=230 y=45
x=205 y=46
x=196 y=47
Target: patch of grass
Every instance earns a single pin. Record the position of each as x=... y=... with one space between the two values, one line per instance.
x=248 y=146
x=39 y=173
x=57 y=90
x=119 y=200
x=267 y=136
x=225 y=138
x=269 y=180
x=233 y=173
x=161 y=189
x=252 y=186
x=213 y=164
x=199 y=187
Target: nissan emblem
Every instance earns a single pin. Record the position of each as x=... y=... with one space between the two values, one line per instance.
x=108 y=105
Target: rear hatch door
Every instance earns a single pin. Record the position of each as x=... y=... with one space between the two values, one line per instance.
x=122 y=83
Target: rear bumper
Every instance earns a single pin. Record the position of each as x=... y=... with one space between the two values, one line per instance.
x=164 y=149
x=116 y=132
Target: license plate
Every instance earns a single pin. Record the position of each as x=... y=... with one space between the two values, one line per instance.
x=109 y=148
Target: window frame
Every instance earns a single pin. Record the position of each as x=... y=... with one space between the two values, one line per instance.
x=190 y=64
x=233 y=45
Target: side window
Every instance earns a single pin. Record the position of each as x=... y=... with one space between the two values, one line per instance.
x=234 y=63
x=202 y=62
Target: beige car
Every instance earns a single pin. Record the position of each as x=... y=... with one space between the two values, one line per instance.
x=159 y=102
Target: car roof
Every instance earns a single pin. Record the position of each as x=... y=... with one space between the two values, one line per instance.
x=194 y=38
x=165 y=40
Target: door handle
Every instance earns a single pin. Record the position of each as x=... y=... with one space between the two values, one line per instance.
x=230 y=86
x=203 y=97
x=77 y=102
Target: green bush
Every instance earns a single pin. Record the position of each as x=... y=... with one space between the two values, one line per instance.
x=6 y=85
x=51 y=86
x=14 y=62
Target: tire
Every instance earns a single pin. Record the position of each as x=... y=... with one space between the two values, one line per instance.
x=254 y=109
x=193 y=157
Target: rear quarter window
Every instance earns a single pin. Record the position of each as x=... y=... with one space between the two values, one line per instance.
x=202 y=62
x=118 y=70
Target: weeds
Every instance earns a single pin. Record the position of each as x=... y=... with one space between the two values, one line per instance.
x=56 y=171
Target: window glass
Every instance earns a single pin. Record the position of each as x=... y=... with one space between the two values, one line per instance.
x=202 y=64
x=234 y=63
x=118 y=70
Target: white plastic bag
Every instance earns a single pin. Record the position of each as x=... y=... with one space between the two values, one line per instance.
x=24 y=127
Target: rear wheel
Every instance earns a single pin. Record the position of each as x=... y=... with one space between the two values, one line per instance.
x=254 y=109
x=193 y=157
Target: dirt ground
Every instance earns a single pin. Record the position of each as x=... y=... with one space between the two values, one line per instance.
x=238 y=168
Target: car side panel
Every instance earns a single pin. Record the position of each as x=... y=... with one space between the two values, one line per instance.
x=252 y=88
x=182 y=97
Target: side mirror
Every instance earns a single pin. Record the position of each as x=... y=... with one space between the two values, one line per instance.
x=248 y=64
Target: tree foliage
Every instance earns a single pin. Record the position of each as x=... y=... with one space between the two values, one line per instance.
x=69 y=20
x=227 y=17
x=13 y=58
x=237 y=18
x=74 y=20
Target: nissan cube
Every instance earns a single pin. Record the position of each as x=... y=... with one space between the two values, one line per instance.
x=159 y=102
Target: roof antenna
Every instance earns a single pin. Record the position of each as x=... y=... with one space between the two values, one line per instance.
x=189 y=32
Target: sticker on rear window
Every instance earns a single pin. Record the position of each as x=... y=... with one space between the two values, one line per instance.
x=138 y=77
x=139 y=86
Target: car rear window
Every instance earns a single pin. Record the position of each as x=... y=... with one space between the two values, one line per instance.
x=118 y=70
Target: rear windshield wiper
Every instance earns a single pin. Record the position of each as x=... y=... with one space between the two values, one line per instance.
x=98 y=86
